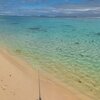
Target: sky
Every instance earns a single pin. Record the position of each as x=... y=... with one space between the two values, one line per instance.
x=49 y=7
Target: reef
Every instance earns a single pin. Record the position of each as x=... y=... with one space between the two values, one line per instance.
x=98 y=33
x=37 y=29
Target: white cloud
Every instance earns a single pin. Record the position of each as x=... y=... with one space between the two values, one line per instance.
x=49 y=11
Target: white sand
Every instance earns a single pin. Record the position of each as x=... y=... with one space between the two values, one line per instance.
x=18 y=81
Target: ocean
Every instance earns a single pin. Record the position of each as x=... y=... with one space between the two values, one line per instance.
x=67 y=48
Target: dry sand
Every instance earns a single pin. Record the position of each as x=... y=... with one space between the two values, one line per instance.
x=18 y=81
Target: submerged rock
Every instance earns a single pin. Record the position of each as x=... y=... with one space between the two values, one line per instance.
x=77 y=43
x=18 y=51
x=92 y=41
x=79 y=81
x=81 y=55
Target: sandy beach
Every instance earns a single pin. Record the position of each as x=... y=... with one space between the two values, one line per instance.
x=18 y=81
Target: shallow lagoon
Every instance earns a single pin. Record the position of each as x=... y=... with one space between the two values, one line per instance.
x=69 y=49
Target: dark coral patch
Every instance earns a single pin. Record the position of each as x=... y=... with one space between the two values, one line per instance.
x=77 y=43
x=35 y=28
x=98 y=33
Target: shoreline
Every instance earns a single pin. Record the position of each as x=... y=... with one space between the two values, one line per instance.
x=18 y=81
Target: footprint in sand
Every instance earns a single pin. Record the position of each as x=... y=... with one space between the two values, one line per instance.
x=1 y=80
x=3 y=88
x=10 y=75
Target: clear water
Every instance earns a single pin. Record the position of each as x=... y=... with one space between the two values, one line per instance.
x=69 y=49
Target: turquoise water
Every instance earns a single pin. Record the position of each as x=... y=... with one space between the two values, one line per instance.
x=69 y=49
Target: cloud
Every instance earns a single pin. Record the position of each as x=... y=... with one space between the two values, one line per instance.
x=47 y=11
x=49 y=7
x=53 y=11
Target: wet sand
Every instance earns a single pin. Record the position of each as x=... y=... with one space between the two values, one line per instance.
x=18 y=81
